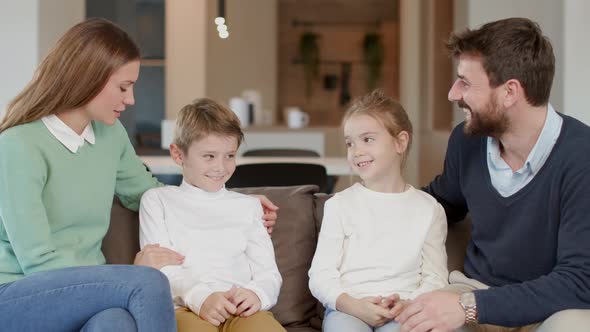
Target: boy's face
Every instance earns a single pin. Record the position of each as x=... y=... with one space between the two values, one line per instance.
x=209 y=162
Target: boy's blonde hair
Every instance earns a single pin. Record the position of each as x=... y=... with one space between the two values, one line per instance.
x=388 y=111
x=205 y=117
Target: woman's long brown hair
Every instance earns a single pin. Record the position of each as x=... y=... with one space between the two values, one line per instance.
x=73 y=72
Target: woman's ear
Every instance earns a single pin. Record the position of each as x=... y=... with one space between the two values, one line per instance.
x=176 y=154
x=401 y=142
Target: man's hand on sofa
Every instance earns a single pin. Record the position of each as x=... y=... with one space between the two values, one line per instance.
x=438 y=310
x=153 y=255
x=217 y=308
x=368 y=309
x=245 y=300
x=270 y=212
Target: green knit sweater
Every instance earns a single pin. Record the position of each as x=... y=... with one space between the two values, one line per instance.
x=54 y=204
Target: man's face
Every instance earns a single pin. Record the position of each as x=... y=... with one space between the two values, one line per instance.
x=472 y=92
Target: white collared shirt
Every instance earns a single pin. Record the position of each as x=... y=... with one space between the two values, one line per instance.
x=503 y=178
x=66 y=135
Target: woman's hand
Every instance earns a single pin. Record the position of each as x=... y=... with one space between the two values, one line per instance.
x=270 y=212
x=157 y=257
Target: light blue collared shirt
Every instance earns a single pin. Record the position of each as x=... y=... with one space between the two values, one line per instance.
x=503 y=178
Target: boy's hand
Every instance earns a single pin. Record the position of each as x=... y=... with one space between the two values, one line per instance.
x=217 y=308
x=270 y=212
x=153 y=255
x=246 y=301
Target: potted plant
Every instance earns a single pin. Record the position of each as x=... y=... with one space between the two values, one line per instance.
x=309 y=53
x=374 y=53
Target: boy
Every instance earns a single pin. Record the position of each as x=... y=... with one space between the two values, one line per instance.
x=229 y=275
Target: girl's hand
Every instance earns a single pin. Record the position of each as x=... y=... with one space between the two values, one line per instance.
x=388 y=302
x=270 y=212
x=368 y=309
x=153 y=255
x=217 y=308
x=246 y=301
x=398 y=308
x=371 y=312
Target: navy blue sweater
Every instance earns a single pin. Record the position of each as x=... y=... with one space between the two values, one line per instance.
x=533 y=247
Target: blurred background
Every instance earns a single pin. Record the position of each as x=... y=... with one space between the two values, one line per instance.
x=287 y=57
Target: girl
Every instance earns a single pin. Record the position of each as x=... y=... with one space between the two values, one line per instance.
x=382 y=241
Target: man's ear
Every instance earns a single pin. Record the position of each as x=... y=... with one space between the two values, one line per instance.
x=176 y=154
x=513 y=92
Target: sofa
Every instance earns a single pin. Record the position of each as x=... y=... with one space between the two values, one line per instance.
x=294 y=239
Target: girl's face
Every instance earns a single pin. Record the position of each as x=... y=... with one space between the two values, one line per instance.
x=116 y=95
x=372 y=152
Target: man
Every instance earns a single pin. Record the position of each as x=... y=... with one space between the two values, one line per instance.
x=522 y=171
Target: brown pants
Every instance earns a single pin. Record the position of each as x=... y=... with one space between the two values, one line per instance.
x=567 y=320
x=262 y=321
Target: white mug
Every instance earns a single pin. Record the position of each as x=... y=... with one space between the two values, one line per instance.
x=240 y=107
x=296 y=118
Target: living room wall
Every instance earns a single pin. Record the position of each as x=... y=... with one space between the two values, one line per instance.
x=340 y=27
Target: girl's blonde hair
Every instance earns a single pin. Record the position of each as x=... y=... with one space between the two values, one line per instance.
x=388 y=111
x=205 y=117
x=74 y=72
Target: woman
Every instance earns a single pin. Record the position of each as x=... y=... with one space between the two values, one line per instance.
x=63 y=154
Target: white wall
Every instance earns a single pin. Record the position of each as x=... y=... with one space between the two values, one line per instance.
x=28 y=28
x=576 y=59
x=19 y=56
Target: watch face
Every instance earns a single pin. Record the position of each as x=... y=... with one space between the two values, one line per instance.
x=468 y=299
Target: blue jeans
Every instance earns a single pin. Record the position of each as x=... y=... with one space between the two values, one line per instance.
x=337 y=321
x=93 y=298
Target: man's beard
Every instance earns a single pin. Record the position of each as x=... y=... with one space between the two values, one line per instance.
x=490 y=121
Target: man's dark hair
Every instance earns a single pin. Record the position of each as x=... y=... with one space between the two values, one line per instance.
x=513 y=48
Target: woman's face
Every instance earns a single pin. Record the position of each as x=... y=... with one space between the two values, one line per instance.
x=107 y=106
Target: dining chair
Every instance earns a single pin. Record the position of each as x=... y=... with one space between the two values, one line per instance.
x=282 y=152
x=279 y=174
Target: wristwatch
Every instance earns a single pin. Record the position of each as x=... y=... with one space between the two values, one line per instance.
x=468 y=303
